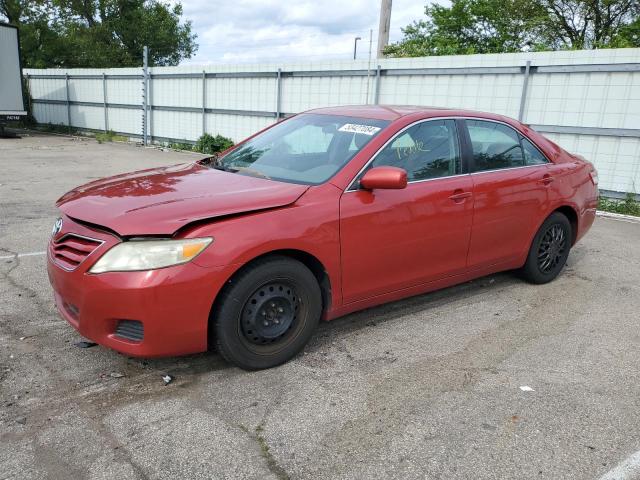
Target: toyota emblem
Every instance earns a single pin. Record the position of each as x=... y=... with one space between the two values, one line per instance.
x=56 y=227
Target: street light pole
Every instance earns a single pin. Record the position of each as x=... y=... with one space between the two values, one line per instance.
x=355 y=46
x=369 y=65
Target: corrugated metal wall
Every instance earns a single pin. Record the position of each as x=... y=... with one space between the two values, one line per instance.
x=587 y=101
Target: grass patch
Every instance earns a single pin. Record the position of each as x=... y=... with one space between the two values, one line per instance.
x=208 y=144
x=181 y=146
x=627 y=206
x=110 y=136
x=56 y=128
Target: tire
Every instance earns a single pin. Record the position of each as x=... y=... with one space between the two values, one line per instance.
x=267 y=313
x=549 y=250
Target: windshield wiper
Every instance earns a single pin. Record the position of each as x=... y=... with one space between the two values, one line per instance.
x=215 y=162
x=223 y=168
x=252 y=172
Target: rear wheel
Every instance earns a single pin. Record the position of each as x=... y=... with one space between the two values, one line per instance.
x=267 y=313
x=549 y=250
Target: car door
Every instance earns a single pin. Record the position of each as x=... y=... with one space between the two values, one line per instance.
x=511 y=192
x=394 y=239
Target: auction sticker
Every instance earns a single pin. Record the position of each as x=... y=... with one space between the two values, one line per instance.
x=354 y=128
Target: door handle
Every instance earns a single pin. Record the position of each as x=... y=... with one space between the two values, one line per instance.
x=546 y=179
x=459 y=196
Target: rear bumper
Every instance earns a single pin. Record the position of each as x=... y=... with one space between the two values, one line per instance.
x=585 y=221
x=588 y=214
x=173 y=305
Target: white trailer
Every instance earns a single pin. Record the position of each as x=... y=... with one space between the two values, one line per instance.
x=11 y=94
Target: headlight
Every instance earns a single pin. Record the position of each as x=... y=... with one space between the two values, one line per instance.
x=149 y=254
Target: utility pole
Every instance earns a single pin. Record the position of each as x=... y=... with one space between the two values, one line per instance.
x=385 y=25
x=355 y=46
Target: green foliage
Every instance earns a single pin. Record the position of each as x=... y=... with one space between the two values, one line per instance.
x=628 y=35
x=99 y=33
x=469 y=26
x=210 y=144
x=628 y=206
x=206 y=144
x=110 y=136
x=498 y=26
x=181 y=146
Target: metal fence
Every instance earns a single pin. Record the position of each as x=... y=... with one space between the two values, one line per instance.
x=587 y=101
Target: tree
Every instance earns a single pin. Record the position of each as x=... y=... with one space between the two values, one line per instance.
x=497 y=26
x=99 y=33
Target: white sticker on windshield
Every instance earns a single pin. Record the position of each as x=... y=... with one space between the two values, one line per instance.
x=354 y=128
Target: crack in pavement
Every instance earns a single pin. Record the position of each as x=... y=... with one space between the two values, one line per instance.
x=265 y=451
x=257 y=434
x=272 y=463
x=81 y=403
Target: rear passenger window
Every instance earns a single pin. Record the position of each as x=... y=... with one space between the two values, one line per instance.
x=532 y=156
x=426 y=150
x=494 y=145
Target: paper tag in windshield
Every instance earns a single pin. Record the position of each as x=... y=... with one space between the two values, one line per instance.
x=354 y=128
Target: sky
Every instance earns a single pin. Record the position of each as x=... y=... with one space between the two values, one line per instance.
x=265 y=31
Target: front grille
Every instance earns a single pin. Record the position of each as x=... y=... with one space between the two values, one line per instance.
x=70 y=250
x=130 y=330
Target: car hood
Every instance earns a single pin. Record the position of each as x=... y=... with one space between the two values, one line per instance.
x=160 y=201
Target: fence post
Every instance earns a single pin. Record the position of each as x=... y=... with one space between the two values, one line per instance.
x=66 y=87
x=149 y=107
x=204 y=102
x=278 y=94
x=29 y=96
x=104 y=102
x=145 y=51
x=376 y=95
x=525 y=85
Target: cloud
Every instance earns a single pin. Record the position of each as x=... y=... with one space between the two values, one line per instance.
x=294 y=30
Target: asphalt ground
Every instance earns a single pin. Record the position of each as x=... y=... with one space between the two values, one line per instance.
x=429 y=387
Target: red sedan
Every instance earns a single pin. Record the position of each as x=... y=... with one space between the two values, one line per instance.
x=328 y=212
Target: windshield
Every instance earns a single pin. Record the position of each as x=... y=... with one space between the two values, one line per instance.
x=307 y=149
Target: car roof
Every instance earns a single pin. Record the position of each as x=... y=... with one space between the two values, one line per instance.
x=394 y=112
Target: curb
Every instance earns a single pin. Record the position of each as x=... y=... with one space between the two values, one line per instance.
x=618 y=216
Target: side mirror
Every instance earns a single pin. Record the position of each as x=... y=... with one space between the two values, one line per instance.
x=384 y=178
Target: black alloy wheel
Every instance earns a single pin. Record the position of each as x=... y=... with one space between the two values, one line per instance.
x=552 y=248
x=549 y=249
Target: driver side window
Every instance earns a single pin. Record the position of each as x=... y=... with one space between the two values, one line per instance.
x=426 y=150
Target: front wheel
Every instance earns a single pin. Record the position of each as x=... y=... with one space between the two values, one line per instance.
x=549 y=250
x=267 y=313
